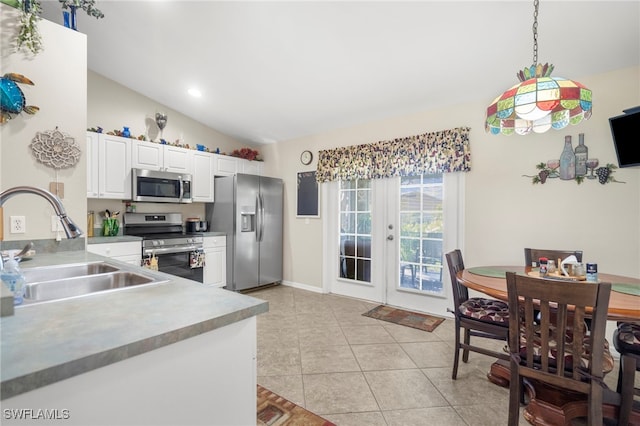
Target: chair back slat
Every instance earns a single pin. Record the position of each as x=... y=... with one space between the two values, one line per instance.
x=456 y=264
x=532 y=255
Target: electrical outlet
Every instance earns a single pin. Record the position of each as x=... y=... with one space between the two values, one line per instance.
x=18 y=225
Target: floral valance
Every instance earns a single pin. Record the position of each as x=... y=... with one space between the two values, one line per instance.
x=435 y=152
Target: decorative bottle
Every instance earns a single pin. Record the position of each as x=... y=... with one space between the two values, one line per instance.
x=12 y=276
x=581 y=153
x=567 y=161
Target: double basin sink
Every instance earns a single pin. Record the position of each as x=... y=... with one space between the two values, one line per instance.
x=50 y=283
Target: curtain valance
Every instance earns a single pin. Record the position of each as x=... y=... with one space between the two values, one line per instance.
x=434 y=152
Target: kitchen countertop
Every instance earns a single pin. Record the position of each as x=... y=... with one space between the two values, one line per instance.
x=48 y=342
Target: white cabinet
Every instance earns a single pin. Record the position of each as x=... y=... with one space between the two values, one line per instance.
x=202 y=165
x=226 y=165
x=108 y=166
x=92 y=165
x=155 y=156
x=128 y=251
x=215 y=268
x=251 y=167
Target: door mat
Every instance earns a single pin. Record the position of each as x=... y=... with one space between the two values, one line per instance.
x=274 y=410
x=410 y=319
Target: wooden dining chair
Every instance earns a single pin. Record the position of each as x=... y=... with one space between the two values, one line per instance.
x=532 y=255
x=626 y=340
x=535 y=347
x=477 y=316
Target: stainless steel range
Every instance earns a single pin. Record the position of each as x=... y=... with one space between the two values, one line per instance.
x=177 y=253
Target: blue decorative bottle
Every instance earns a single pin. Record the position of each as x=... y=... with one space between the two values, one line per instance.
x=125 y=132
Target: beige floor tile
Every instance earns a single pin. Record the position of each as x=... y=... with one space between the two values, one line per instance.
x=429 y=354
x=365 y=334
x=347 y=318
x=289 y=387
x=383 y=356
x=373 y=418
x=278 y=361
x=441 y=416
x=327 y=359
x=473 y=389
x=403 y=389
x=404 y=334
x=313 y=319
x=337 y=393
x=321 y=336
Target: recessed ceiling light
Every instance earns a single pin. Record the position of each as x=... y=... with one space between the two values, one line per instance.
x=195 y=93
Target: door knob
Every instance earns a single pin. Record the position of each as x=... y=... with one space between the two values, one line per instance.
x=390 y=237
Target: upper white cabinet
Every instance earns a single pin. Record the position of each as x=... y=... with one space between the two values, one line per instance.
x=155 y=156
x=202 y=166
x=251 y=167
x=111 y=165
x=92 y=165
x=227 y=166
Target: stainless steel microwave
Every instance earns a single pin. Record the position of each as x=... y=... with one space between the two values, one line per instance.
x=161 y=187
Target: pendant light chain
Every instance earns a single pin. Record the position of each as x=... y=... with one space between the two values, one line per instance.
x=535 y=32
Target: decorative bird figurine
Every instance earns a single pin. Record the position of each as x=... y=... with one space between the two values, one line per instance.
x=13 y=100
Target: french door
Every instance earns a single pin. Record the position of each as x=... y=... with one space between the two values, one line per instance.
x=385 y=239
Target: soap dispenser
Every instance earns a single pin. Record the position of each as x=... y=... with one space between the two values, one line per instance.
x=13 y=278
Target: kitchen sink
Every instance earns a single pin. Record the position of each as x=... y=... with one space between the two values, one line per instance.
x=67 y=281
x=66 y=271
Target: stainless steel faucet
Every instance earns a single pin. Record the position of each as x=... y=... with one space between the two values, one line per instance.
x=70 y=228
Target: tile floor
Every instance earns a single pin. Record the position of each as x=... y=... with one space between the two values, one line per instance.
x=319 y=352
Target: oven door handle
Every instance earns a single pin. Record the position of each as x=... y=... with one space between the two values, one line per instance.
x=169 y=250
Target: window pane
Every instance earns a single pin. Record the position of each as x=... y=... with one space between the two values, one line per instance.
x=364 y=223
x=410 y=225
x=421 y=227
x=355 y=230
x=348 y=201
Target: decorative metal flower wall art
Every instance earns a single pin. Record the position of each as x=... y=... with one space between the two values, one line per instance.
x=55 y=149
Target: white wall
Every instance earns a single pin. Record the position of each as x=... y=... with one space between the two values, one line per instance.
x=504 y=211
x=112 y=106
x=60 y=76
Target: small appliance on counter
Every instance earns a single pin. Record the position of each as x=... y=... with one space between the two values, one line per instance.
x=194 y=224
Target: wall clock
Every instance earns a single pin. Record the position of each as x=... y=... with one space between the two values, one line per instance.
x=306 y=157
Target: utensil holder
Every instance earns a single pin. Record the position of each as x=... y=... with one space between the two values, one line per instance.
x=110 y=227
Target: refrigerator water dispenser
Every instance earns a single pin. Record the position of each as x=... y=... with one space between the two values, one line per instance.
x=247 y=219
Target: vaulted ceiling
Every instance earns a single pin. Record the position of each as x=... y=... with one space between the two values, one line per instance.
x=272 y=71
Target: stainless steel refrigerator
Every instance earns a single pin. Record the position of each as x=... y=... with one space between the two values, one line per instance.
x=248 y=209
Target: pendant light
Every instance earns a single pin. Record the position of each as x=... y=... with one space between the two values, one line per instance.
x=540 y=102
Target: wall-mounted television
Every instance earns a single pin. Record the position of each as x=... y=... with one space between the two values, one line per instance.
x=625 y=130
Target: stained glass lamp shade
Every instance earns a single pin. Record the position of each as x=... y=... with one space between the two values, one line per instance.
x=540 y=102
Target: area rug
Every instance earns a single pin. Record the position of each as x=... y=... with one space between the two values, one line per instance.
x=274 y=410
x=410 y=319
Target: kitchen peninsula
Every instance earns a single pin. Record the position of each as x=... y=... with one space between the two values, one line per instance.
x=176 y=352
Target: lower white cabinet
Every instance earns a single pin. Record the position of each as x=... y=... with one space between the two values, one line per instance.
x=128 y=251
x=215 y=261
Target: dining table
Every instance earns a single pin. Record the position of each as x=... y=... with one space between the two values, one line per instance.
x=548 y=405
x=624 y=302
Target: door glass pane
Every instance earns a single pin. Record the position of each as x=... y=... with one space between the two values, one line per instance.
x=355 y=230
x=421 y=227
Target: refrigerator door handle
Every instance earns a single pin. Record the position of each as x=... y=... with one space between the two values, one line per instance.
x=261 y=215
